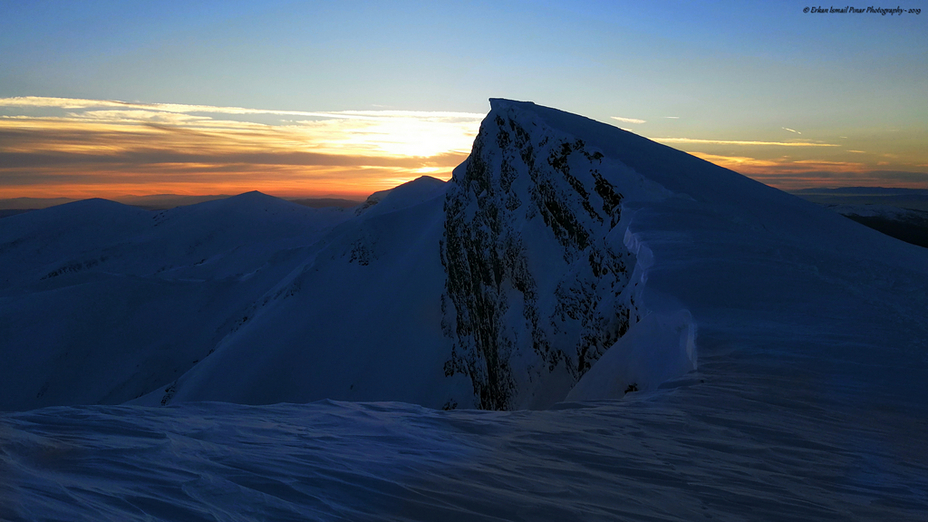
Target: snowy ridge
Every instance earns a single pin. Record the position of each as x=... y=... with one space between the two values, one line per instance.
x=357 y=319
x=103 y=302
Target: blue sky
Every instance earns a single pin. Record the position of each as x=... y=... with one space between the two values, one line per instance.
x=725 y=80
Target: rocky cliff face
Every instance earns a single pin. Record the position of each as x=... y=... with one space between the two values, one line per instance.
x=537 y=273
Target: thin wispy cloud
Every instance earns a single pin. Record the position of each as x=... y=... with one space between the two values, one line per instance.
x=794 y=131
x=81 y=148
x=416 y=133
x=628 y=120
x=789 y=174
x=140 y=147
x=137 y=115
x=752 y=165
x=71 y=103
x=746 y=142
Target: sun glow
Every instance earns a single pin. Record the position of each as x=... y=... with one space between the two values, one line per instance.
x=81 y=148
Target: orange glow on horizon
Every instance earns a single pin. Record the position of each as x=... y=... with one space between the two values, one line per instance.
x=786 y=173
x=86 y=148
x=120 y=149
x=282 y=181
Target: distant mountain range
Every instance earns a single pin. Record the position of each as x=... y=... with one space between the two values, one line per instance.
x=155 y=202
x=914 y=199
x=897 y=212
x=861 y=191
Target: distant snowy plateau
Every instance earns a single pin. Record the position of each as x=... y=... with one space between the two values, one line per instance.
x=661 y=339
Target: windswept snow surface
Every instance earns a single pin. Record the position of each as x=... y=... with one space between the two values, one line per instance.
x=711 y=451
x=746 y=356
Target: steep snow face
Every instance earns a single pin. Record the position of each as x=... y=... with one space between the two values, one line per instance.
x=538 y=277
x=357 y=319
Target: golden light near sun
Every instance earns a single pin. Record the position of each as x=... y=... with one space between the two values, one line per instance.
x=373 y=132
x=392 y=133
x=418 y=137
x=72 y=146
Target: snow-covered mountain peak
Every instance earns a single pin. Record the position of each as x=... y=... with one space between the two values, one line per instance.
x=540 y=281
x=85 y=212
x=667 y=172
x=248 y=203
x=253 y=197
x=402 y=196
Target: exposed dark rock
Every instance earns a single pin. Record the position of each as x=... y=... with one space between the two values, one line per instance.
x=504 y=332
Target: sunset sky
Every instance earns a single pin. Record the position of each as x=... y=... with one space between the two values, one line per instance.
x=313 y=98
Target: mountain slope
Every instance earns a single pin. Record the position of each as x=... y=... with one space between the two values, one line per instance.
x=102 y=302
x=358 y=320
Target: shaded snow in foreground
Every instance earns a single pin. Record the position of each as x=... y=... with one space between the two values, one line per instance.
x=670 y=456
